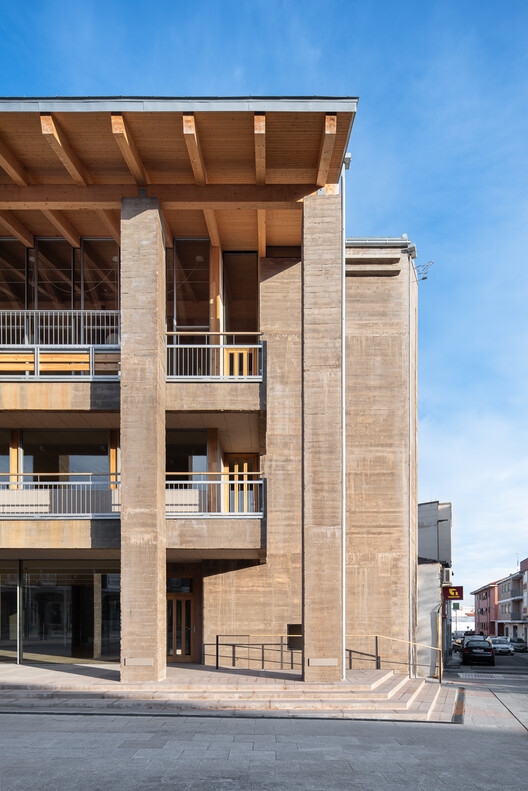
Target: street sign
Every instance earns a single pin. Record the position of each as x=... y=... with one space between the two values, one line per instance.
x=456 y=605
x=453 y=592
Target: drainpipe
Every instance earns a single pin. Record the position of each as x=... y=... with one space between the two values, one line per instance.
x=412 y=673
x=346 y=165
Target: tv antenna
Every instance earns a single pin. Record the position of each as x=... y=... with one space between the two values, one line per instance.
x=422 y=270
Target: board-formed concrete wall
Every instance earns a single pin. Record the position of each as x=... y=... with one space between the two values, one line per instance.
x=143 y=390
x=381 y=454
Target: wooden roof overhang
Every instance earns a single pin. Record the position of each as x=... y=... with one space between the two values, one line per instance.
x=235 y=170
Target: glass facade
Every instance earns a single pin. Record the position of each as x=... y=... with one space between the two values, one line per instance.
x=191 y=276
x=186 y=452
x=53 y=452
x=70 y=610
x=5 y=436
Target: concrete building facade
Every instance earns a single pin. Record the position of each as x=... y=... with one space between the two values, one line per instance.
x=207 y=393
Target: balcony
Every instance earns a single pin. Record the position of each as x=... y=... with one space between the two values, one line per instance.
x=214 y=356
x=59 y=345
x=96 y=496
x=60 y=496
x=200 y=495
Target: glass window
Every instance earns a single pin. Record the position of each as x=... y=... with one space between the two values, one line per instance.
x=68 y=451
x=100 y=275
x=8 y=610
x=12 y=275
x=72 y=610
x=191 y=274
x=5 y=438
x=186 y=452
x=54 y=275
x=179 y=584
x=241 y=292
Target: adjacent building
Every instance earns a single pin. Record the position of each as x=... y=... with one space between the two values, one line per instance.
x=501 y=607
x=434 y=570
x=207 y=393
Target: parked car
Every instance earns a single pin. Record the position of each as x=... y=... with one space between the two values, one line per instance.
x=501 y=645
x=478 y=651
x=519 y=644
x=469 y=637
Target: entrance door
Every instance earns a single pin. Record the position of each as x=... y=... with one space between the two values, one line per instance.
x=180 y=628
x=241 y=494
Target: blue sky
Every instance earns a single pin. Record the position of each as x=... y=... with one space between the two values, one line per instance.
x=439 y=151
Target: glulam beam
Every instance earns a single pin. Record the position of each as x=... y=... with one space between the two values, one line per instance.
x=212 y=227
x=129 y=150
x=260 y=148
x=60 y=145
x=14 y=169
x=326 y=150
x=173 y=197
x=261 y=229
x=17 y=228
x=194 y=149
x=63 y=226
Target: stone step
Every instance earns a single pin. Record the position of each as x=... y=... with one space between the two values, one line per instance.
x=401 y=697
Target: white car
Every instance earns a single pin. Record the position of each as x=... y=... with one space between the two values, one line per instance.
x=501 y=645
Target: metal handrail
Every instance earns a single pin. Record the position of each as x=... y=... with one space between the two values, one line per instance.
x=222 y=494
x=261 y=647
x=377 y=656
x=66 y=328
x=216 y=356
x=49 y=495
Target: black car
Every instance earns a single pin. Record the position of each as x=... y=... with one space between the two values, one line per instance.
x=478 y=651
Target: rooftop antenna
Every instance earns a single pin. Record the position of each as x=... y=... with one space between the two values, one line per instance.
x=422 y=270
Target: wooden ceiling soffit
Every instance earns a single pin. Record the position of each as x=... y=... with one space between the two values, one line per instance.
x=128 y=149
x=17 y=229
x=14 y=169
x=111 y=222
x=63 y=150
x=261 y=226
x=326 y=150
x=179 y=197
x=212 y=227
x=194 y=149
x=260 y=148
x=63 y=226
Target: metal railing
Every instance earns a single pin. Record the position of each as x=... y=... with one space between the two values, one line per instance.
x=60 y=496
x=214 y=494
x=373 y=651
x=60 y=363
x=60 y=328
x=59 y=344
x=269 y=651
x=218 y=356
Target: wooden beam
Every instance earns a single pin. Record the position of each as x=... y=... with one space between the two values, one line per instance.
x=63 y=226
x=111 y=222
x=62 y=148
x=169 y=239
x=326 y=150
x=14 y=169
x=128 y=149
x=261 y=225
x=193 y=147
x=173 y=197
x=17 y=228
x=216 y=311
x=260 y=148
x=212 y=227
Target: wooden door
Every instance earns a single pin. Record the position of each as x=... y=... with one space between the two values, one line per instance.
x=181 y=628
x=241 y=488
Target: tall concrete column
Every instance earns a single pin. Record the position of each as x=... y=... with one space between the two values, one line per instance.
x=143 y=555
x=322 y=456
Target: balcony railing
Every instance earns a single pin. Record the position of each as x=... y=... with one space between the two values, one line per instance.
x=60 y=328
x=60 y=496
x=59 y=344
x=214 y=494
x=216 y=356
